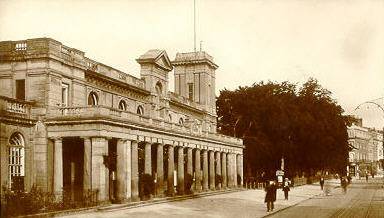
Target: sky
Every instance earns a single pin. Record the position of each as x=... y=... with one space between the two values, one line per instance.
x=340 y=42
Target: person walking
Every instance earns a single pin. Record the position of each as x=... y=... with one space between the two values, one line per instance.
x=270 y=195
x=366 y=176
x=343 y=183
x=322 y=182
x=286 y=188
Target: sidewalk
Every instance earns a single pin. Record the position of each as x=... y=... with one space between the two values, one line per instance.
x=246 y=203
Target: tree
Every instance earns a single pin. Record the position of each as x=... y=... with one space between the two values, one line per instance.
x=305 y=126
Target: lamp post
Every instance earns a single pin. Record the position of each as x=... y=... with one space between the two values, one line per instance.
x=382 y=110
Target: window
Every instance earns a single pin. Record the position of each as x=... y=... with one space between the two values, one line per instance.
x=16 y=162
x=122 y=105
x=20 y=89
x=140 y=110
x=181 y=121
x=190 y=91
x=64 y=94
x=158 y=88
x=21 y=46
x=93 y=99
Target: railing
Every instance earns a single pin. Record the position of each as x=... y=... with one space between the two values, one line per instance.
x=113 y=73
x=15 y=107
x=91 y=112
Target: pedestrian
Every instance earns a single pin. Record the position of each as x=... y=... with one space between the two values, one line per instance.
x=366 y=177
x=322 y=182
x=343 y=184
x=286 y=188
x=349 y=179
x=270 y=195
x=327 y=188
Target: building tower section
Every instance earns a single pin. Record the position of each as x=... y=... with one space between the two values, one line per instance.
x=195 y=78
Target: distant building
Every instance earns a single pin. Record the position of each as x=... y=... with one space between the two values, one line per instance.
x=70 y=124
x=367 y=150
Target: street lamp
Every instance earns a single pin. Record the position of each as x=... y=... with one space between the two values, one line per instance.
x=382 y=110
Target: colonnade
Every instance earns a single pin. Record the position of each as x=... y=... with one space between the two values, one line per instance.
x=203 y=164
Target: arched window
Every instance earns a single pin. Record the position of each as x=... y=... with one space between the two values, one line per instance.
x=93 y=99
x=16 y=162
x=159 y=88
x=181 y=121
x=122 y=105
x=140 y=110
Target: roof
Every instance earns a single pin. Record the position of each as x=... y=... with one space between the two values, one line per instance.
x=156 y=56
x=194 y=57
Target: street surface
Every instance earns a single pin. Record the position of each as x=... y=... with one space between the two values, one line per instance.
x=362 y=200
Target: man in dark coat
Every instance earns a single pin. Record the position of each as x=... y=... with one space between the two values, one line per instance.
x=270 y=195
x=286 y=188
x=322 y=182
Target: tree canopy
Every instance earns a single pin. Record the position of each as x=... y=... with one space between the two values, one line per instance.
x=302 y=124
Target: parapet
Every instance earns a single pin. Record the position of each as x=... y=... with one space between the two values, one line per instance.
x=194 y=58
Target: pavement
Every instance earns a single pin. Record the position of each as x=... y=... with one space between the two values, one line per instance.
x=243 y=203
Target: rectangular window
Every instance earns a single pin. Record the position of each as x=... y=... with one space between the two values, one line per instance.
x=64 y=94
x=20 y=89
x=190 y=91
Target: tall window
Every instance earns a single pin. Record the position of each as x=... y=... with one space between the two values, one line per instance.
x=122 y=105
x=190 y=91
x=140 y=110
x=93 y=99
x=16 y=162
x=181 y=121
x=20 y=89
x=64 y=94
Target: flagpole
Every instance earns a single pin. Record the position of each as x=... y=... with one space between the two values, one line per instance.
x=194 y=25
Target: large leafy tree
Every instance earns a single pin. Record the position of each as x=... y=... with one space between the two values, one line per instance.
x=304 y=125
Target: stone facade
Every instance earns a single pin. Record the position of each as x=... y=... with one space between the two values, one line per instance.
x=367 y=149
x=87 y=126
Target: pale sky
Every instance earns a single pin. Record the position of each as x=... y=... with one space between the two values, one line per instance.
x=339 y=42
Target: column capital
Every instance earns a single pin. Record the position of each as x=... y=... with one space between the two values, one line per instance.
x=55 y=138
x=85 y=137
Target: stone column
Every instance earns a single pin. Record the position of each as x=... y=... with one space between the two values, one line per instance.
x=218 y=168
x=205 y=170
x=189 y=167
x=224 y=169
x=240 y=169
x=135 y=171
x=180 y=170
x=160 y=170
x=189 y=161
x=212 y=170
x=234 y=164
x=100 y=172
x=197 y=171
x=87 y=165
x=58 y=168
x=229 y=171
x=171 y=168
x=123 y=170
x=148 y=158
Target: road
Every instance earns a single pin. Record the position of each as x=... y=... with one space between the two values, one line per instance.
x=363 y=199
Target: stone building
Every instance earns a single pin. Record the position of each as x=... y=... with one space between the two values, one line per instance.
x=367 y=149
x=70 y=124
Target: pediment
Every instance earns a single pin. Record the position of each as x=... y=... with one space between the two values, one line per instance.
x=163 y=61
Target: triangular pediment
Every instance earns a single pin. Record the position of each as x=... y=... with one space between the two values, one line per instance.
x=163 y=61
